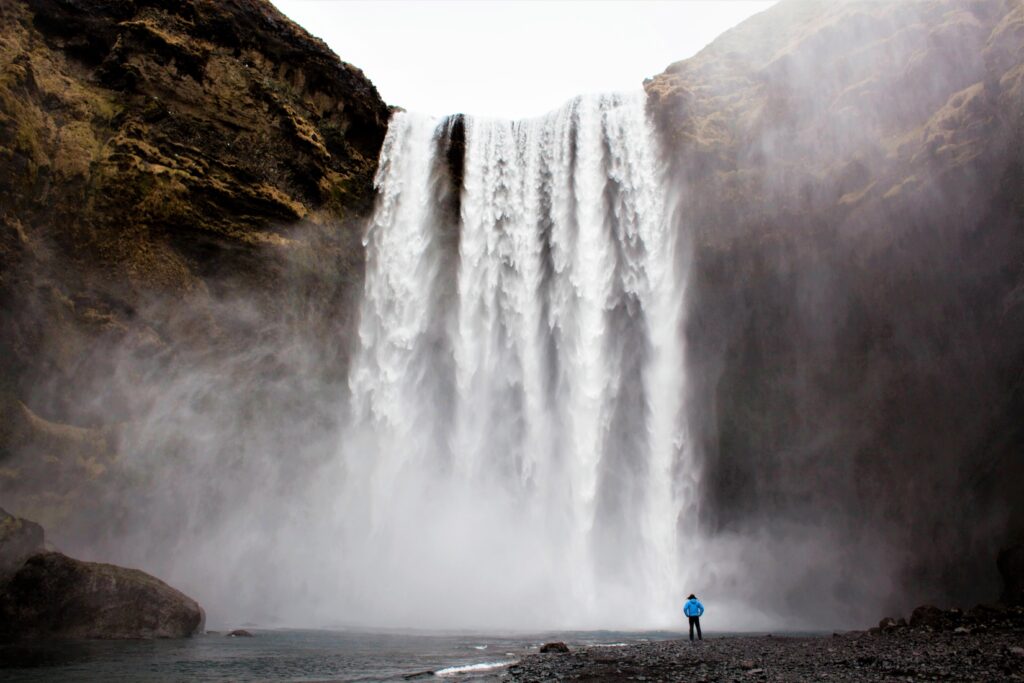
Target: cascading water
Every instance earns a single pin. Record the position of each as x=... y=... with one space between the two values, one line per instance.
x=515 y=435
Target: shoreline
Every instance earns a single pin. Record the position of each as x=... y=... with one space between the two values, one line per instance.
x=958 y=647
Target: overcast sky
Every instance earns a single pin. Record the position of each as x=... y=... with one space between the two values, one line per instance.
x=511 y=59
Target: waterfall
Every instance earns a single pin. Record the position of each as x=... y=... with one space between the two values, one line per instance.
x=516 y=425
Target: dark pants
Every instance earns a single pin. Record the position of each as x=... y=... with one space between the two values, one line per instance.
x=695 y=621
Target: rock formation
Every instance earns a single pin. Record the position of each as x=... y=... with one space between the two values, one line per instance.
x=53 y=595
x=47 y=594
x=157 y=160
x=850 y=174
x=184 y=186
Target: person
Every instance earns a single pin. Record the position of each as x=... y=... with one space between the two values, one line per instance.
x=693 y=609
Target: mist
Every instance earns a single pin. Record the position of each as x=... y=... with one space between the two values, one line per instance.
x=754 y=333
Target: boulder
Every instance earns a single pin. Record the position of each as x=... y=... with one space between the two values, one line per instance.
x=554 y=647
x=927 y=615
x=1011 y=568
x=987 y=612
x=53 y=595
x=19 y=540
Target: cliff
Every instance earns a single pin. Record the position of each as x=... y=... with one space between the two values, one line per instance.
x=184 y=190
x=158 y=161
x=851 y=176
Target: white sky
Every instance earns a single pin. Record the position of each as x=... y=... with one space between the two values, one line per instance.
x=512 y=59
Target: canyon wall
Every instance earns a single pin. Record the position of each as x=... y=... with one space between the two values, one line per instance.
x=184 y=184
x=185 y=190
x=851 y=176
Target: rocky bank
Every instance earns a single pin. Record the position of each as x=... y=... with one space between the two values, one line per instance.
x=995 y=654
x=985 y=643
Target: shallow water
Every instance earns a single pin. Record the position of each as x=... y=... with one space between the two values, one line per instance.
x=289 y=655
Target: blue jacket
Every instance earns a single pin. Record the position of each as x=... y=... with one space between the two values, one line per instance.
x=693 y=608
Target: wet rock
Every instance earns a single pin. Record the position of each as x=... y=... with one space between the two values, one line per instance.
x=927 y=615
x=19 y=540
x=887 y=624
x=987 y=612
x=558 y=646
x=53 y=595
x=239 y=633
x=218 y=142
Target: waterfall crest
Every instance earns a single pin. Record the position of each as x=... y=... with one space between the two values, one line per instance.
x=516 y=397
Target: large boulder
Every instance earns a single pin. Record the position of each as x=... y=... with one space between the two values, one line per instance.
x=928 y=616
x=53 y=595
x=1011 y=568
x=19 y=540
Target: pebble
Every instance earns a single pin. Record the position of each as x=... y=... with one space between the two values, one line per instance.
x=942 y=652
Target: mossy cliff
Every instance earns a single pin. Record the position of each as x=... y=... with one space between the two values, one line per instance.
x=157 y=159
x=852 y=174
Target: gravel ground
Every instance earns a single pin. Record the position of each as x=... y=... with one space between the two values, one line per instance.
x=960 y=649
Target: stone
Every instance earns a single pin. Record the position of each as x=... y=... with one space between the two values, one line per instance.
x=987 y=612
x=887 y=624
x=926 y=615
x=558 y=647
x=19 y=540
x=239 y=633
x=53 y=595
x=215 y=141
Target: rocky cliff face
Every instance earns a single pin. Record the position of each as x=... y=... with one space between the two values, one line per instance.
x=184 y=185
x=158 y=161
x=851 y=175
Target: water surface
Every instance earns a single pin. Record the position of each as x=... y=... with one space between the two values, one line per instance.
x=289 y=655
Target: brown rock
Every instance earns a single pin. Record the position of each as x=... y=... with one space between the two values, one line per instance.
x=926 y=615
x=56 y=596
x=559 y=647
x=177 y=152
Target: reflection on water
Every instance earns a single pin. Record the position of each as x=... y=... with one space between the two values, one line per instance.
x=282 y=655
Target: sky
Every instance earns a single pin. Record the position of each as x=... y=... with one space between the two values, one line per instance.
x=512 y=59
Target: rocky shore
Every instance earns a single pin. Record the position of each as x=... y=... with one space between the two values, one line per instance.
x=985 y=644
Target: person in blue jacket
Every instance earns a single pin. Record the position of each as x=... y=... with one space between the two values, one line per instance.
x=693 y=609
